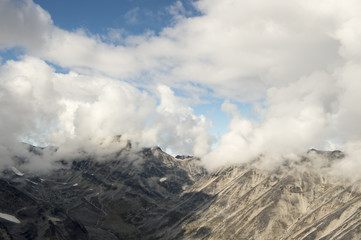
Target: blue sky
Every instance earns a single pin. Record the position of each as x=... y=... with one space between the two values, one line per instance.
x=223 y=79
x=134 y=16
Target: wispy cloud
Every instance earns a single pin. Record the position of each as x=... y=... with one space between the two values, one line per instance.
x=132 y=16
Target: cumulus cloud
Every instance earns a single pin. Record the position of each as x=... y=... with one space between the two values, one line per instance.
x=178 y=126
x=23 y=23
x=295 y=118
x=21 y=82
x=237 y=49
x=75 y=111
x=297 y=62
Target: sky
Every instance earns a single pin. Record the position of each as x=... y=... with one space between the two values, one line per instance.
x=228 y=81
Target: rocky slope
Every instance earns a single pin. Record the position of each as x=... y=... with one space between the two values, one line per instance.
x=294 y=201
x=148 y=194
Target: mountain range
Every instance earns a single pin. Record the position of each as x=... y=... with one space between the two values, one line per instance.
x=148 y=194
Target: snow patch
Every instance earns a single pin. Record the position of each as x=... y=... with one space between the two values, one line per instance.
x=54 y=219
x=17 y=172
x=28 y=180
x=162 y=179
x=75 y=184
x=9 y=217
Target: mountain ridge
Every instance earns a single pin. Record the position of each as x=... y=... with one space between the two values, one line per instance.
x=148 y=194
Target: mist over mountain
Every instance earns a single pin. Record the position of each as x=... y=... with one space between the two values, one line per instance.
x=145 y=193
x=244 y=92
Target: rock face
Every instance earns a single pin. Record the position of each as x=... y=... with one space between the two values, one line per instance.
x=151 y=195
x=288 y=203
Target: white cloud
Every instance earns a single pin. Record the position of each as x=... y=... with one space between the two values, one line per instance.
x=76 y=111
x=237 y=49
x=23 y=23
x=177 y=10
x=301 y=59
x=178 y=126
x=296 y=117
x=132 y=15
x=25 y=92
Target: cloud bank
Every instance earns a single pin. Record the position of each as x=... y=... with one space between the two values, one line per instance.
x=296 y=62
x=72 y=109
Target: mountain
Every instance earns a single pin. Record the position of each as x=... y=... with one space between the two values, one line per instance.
x=148 y=194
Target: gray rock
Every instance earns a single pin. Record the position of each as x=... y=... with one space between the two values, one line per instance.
x=123 y=197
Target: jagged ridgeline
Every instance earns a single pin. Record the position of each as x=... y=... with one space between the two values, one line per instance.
x=148 y=194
